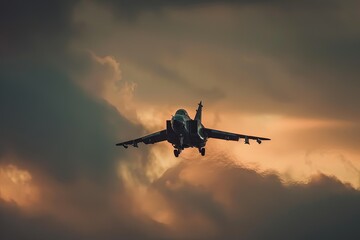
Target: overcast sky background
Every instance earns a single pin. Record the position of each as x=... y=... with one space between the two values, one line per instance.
x=78 y=76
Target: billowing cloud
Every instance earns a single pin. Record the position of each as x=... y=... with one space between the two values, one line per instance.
x=209 y=199
x=33 y=30
x=52 y=123
x=212 y=199
x=77 y=77
x=272 y=63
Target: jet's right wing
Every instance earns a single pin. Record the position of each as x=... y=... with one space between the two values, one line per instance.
x=212 y=133
x=148 y=139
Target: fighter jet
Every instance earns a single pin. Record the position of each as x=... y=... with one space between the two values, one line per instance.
x=183 y=132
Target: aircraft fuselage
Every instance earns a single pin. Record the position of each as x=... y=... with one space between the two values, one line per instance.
x=184 y=132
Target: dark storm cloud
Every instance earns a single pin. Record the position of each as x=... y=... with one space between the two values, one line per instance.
x=303 y=54
x=35 y=27
x=242 y=203
x=315 y=44
x=51 y=125
x=49 y=121
x=41 y=24
x=133 y=7
x=318 y=37
x=14 y=224
x=207 y=200
x=17 y=224
x=66 y=139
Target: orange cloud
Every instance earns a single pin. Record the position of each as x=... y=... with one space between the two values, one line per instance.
x=16 y=185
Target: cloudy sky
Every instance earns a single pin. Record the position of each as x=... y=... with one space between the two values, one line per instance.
x=78 y=76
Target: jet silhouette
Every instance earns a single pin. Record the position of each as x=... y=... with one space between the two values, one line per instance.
x=183 y=132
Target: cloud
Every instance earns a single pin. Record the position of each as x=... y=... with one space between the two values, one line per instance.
x=203 y=199
x=50 y=123
x=63 y=111
x=16 y=186
x=295 y=59
x=34 y=28
x=212 y=199
x=17 y=224
x=260 y=67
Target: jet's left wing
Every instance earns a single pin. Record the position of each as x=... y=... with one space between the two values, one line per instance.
x=212 y=133
x=148 y=139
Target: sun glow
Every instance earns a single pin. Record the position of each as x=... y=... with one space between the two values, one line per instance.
x=16 y=185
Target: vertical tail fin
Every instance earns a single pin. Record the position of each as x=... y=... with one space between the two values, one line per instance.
x=198 y=112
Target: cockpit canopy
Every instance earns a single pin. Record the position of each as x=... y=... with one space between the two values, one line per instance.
x=181 y=112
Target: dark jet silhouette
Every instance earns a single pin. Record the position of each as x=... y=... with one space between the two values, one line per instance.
x=183 y=132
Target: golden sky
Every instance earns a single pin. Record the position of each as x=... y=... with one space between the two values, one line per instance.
x=79 y=76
